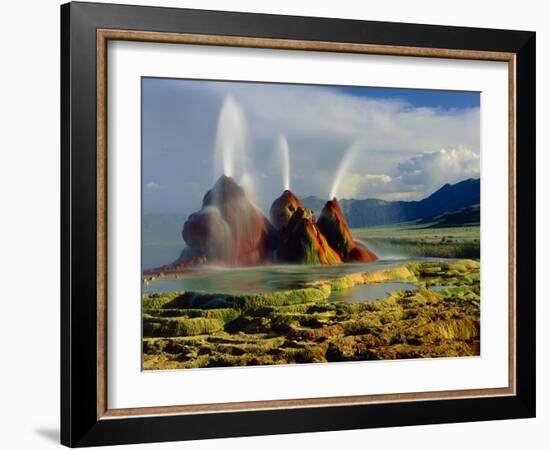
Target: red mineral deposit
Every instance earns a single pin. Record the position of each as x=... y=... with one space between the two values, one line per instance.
x=229 y=229
x=283 y=208
x=301 y=241
x=335 y=229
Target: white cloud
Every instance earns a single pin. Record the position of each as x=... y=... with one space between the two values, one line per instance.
x=401 y=154
x=152 y=185
x=401 y=196
x=397 y=140
x=303 y=111
x=431 y=170
x=414 y=178
x=359 y=186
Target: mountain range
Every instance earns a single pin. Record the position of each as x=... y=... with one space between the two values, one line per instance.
x=453 y=204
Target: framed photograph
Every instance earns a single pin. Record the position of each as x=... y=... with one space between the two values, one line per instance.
x=276 y=224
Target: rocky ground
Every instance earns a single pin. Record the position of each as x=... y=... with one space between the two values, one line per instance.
x=186 y=329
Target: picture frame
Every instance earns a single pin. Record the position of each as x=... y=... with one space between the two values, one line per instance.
x=86 y=418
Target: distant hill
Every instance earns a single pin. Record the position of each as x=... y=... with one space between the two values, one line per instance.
x=315 y=203
x=370 y=212
x=452 y=205
x=463 y=217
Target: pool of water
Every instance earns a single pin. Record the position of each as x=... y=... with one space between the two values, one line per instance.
x=366 y=292
x=255 y=280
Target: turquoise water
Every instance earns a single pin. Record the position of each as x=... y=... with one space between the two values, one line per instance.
x=365 y=292
x=256 y=280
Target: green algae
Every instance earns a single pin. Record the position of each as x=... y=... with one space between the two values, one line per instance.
x=180 y=326
x=190 y=329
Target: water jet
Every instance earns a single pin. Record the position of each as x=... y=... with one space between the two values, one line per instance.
x=282 y=153
x=343 y=169
x=231 y=140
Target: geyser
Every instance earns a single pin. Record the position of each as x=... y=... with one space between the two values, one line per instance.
x=229 y=229
x=231 y=140
x=248 y=184
x=334 y=227
x=302 y=242
x=283 y=208
x=343 y=169
x=208 y=234
x=282 y=154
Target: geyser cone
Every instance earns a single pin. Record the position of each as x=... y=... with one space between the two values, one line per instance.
x=335 y=228
x=283 y=208
x=302 y=242
x=207 y=233
x=229 y=229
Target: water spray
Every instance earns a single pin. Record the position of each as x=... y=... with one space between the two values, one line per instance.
x=343 y=169
x=231 y=140
x=282 y=153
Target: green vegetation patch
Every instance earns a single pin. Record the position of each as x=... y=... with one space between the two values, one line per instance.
x=280 y=298
x=159 y=300
x=418 y=239
x=440 y=318
x=180 y=326
x=225 y=314
x=341 y=284
x=457 y=273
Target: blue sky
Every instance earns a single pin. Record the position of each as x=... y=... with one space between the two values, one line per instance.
x=418 y=97
x=402 y=144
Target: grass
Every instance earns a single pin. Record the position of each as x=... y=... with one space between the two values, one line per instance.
x=188 y=330
x=414 y=239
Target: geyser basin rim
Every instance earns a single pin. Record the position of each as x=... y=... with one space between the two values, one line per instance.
x=281 y=277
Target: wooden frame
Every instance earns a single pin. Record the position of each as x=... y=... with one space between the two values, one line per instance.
x=86 y=419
